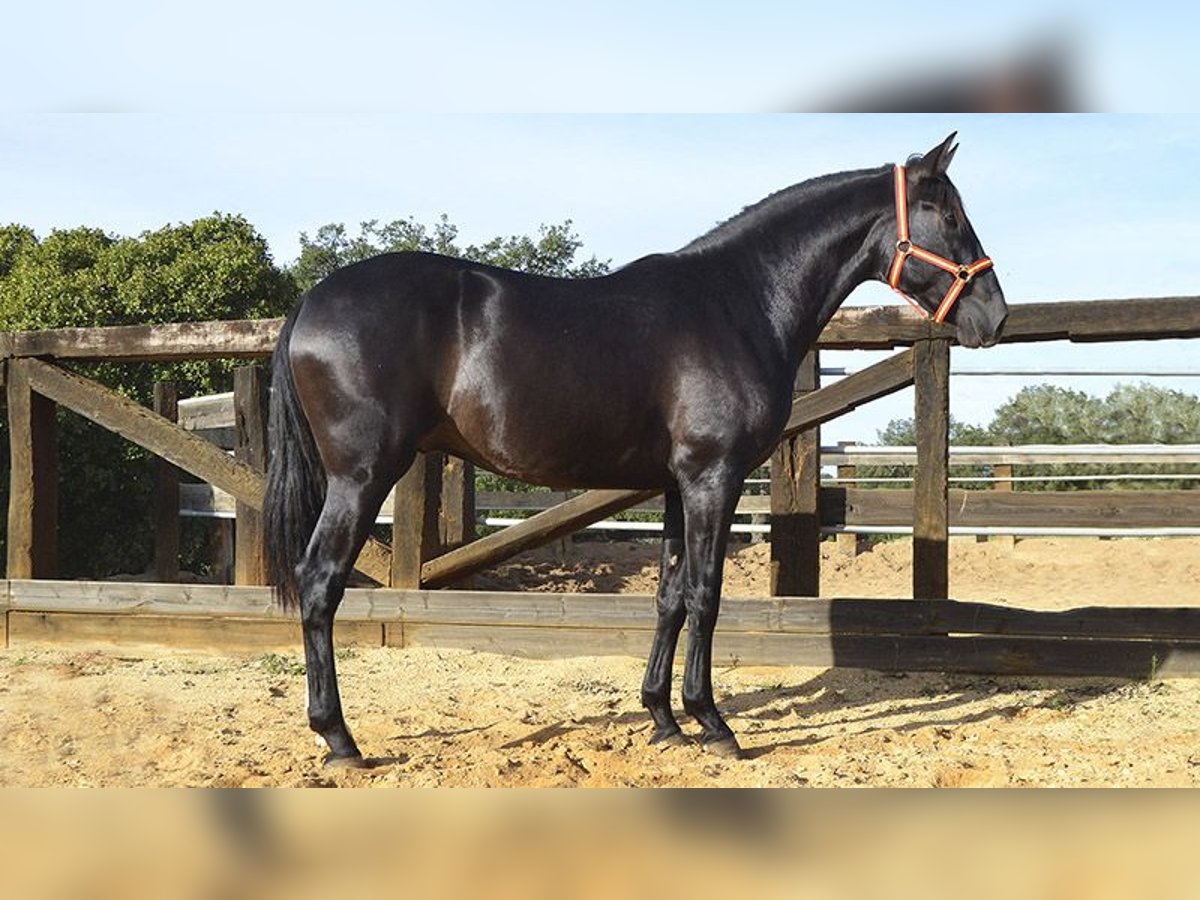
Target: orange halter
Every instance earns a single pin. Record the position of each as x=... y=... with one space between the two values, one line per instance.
x=906 y=248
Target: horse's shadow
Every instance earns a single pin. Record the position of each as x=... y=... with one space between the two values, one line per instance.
x=840 y=701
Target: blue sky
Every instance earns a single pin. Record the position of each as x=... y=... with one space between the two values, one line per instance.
x=1070 y=207
x=538 y=55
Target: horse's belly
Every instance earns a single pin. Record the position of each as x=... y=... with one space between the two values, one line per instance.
x=562 y=448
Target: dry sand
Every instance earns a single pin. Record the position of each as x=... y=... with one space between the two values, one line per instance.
x=442 y=717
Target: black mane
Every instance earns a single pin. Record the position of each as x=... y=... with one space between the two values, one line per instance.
x=773 y=207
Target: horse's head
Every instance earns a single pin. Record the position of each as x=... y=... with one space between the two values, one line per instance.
x=937 y=261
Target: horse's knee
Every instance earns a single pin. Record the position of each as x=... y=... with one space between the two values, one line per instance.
x=701 y=618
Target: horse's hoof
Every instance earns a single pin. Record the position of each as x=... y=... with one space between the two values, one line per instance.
x=346 y=762
x=670 y=738
x=726 y=747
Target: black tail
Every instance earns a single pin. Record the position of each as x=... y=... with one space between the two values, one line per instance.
x=295 y=477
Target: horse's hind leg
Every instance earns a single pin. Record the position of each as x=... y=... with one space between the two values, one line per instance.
x=709 y=501
x=656 y=686
x=351 y=505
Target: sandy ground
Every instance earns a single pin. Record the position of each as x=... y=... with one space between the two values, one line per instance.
x=443 y=717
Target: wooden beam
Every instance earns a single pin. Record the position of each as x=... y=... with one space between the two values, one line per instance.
x=791 y=615
x=568 y=517
x=795 y=489
x=134 y=422
x=33 y=485
x=241 y=339
x=1052 y=509
x=1024 y=454
x=207 y=412
x=457 y=512
x=221 y=635
x=931 y=518
x=166 y=493
x=879 y=380
x=250 y=428
x=414 y=519
x=1135 y=318
x=874 y=327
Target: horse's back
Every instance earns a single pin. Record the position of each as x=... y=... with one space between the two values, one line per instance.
x=556 y=381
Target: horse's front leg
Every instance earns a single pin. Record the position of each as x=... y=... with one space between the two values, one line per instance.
x=656 y=686
x=709 y=502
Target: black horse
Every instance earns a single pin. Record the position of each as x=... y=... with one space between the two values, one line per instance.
x=674 y=372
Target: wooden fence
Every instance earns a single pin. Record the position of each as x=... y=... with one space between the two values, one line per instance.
x=431 y=544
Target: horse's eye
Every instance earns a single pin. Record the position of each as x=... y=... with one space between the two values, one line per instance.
x=950 y=219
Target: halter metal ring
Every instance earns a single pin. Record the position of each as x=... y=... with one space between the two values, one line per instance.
x=904 y=247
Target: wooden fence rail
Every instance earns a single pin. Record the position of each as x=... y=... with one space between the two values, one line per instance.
x=1132 y=642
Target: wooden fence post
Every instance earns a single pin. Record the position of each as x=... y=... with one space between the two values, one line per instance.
x=1003 y=473
x=166 y=493
x=33 y=489
x=795 y=506
x=847 y=542
x=415 y=519
x=250 y=447
x=931 y=519
x=456 y=518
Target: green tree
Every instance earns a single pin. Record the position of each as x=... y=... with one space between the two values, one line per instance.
x=1048 y=414
x=217 y=267
x=552 y=252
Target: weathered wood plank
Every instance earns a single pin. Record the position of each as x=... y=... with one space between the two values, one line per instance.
x=207 y=412
x=1031 y=454
x=568 y=517
x=33 y=478
x=456 y=519
x=223 y=635
x=166 y=493
x=809 y=410
x=375 y=561
x=1059 y=509
x=631 y=611
x=971 y=655
x=874 y=327
x=931 y=517
x=138 y=598
x=1017 y=655
x=856 y=327
x=794 y=502
x=518 y=640
x=117 y=413
x=414 y=519
x=245 y=338
x=250 y=428
x=1151 y=318
x=1136 y=318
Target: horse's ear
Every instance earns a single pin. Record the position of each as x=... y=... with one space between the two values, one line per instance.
x=937 y=160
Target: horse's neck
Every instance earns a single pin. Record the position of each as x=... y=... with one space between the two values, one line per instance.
x=816 y=251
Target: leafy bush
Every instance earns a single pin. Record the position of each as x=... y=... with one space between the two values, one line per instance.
x=217 y=267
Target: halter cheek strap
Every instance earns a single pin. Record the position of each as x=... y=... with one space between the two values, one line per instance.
x=905 y=248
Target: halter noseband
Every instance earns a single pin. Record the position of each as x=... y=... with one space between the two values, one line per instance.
x=906 y=248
